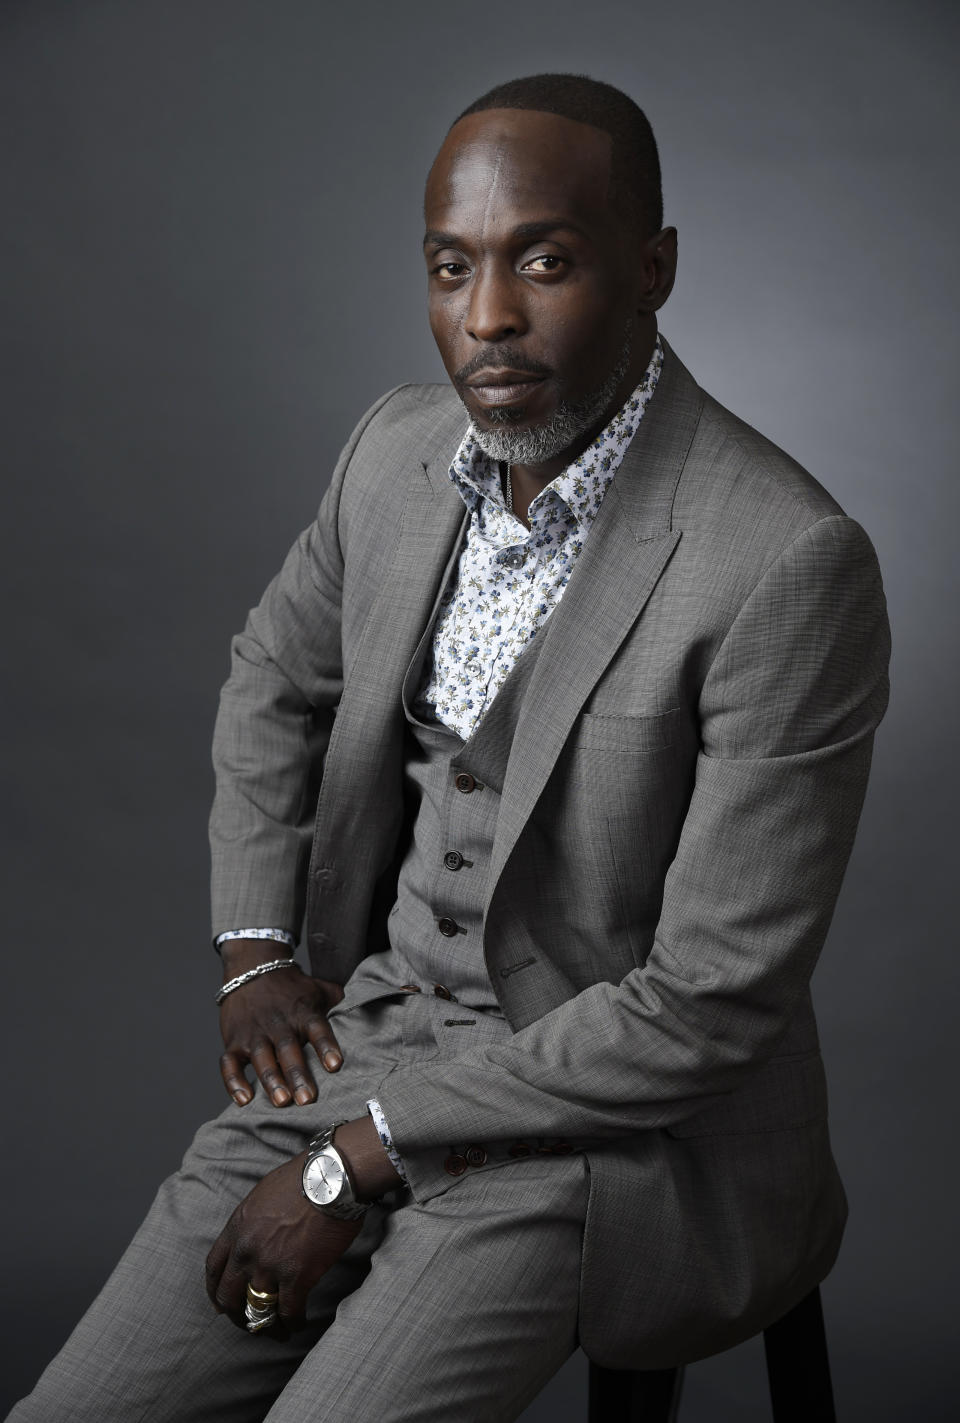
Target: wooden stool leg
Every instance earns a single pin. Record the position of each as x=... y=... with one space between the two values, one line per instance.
x=798 y=1366
x=634 y=1396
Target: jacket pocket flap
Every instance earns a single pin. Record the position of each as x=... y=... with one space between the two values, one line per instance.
x=623 y=734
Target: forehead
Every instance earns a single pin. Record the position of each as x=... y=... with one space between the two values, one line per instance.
x=516 y=165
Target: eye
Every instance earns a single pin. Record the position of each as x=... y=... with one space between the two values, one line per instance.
x=448 y=271
x=546 y=262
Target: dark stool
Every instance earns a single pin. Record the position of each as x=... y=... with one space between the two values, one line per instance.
x=798 y=1371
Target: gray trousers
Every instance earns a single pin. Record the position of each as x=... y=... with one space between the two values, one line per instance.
x=462 y=1307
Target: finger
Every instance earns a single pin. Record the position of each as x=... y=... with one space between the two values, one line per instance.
x=234 y=1078
x=324 y=1043
x=231 y=1295
x=292 y=1304
x=295 y=1070
x=267 y=1069
x=239 y=1263
x=213 y=1267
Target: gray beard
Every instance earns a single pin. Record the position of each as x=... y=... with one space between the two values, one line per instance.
x=569 y=421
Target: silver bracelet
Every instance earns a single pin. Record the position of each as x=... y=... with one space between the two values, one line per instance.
x=242 y=978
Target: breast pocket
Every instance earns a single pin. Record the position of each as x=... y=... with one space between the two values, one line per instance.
x=623 y=786
x=626 y=735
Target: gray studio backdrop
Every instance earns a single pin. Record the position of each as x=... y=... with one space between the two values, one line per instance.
x=210 y=267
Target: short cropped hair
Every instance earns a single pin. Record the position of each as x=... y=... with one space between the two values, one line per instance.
x=635 y=185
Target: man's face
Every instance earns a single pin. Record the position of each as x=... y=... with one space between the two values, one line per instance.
x=532 y=277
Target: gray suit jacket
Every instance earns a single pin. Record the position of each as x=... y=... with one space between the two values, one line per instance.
x=679 y=805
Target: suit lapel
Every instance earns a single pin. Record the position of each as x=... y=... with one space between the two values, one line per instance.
x=364 y=760
x=630 y=543
x=431 y=525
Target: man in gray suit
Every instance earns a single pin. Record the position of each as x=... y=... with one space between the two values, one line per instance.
x=556 y=726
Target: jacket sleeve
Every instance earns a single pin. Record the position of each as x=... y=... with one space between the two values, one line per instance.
x=787 y=716
x=273 y=725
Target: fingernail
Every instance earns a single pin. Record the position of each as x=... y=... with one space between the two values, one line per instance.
x=241 y=1098
x=332 y=1060
x=302 y=1096
x=281 y=1095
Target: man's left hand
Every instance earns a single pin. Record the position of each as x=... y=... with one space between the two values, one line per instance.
x=276 y=1241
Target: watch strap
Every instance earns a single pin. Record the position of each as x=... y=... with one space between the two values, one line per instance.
x=325 y=1137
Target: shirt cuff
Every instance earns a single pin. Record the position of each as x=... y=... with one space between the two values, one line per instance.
x=280 y=935
x=386 y=1140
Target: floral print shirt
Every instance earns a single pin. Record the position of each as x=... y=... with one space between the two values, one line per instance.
x=509 y=579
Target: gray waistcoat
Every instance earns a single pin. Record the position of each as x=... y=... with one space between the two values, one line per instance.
x=453 y=790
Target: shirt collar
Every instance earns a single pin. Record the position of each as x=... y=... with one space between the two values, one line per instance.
x=582 y=485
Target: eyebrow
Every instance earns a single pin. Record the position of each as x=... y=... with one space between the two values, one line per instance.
x=525 y=231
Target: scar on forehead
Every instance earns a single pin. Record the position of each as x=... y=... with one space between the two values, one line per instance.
x=473 y=158
x=492 y=189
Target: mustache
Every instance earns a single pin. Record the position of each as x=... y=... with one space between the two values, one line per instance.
x=500 y=358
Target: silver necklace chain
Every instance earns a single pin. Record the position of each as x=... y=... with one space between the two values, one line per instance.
x=509 y=490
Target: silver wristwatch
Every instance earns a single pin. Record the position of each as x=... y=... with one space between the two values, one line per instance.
x=326 y=1181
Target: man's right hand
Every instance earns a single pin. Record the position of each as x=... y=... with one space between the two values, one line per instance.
x=267 y=1021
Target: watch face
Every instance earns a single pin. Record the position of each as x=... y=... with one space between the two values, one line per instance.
x=323 y=1179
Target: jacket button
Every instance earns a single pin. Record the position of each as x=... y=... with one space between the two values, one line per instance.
x=442 y=991
x=475 y=1155
x=453 y=860
x=561 y=1148
x=518 y=1148
x=455 y=1165
x=448 y=927
x=465 y=783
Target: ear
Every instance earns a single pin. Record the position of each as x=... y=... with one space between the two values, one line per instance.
x=658 y=270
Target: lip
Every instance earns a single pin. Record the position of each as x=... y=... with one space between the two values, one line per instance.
x=502 y=387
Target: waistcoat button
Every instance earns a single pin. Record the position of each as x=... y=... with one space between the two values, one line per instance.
x=448 y=927
x=453 y=860
x=518 y=1149
x=465 y=783
x=455 y=1165
x=475 y=1155
x=442 y=991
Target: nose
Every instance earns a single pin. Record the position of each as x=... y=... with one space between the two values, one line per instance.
x=496 y=309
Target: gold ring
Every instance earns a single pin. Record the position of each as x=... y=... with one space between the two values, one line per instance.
x=261 y=1296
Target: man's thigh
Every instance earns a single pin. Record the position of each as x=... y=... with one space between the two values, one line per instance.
x=472 y=1296
x=469 y=1308
x=151 y=1348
